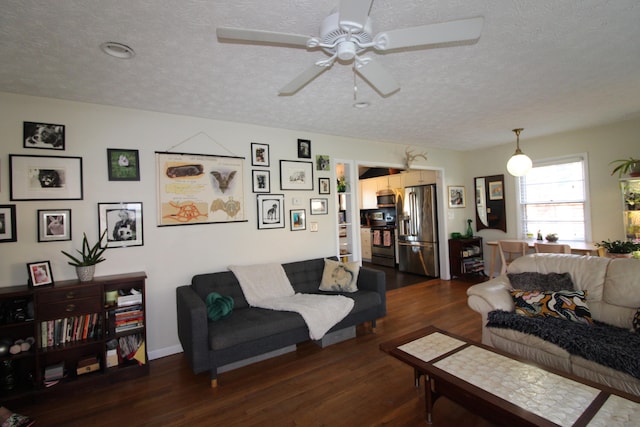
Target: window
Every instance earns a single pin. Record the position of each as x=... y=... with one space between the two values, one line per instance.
x=553 y=198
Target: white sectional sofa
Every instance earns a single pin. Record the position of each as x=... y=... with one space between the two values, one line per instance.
x=613 y=297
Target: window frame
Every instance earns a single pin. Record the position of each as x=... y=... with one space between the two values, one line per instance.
x=549 y=161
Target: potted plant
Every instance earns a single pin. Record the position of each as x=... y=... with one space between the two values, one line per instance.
x=342 y=185
x=85 y=264
x=629 y=166
x=619 y=248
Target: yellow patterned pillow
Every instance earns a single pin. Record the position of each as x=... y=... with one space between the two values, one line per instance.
x=570 y=305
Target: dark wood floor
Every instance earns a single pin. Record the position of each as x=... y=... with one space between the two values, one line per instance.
x=348 y=384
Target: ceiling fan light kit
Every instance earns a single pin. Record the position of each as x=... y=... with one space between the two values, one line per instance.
x=519 y=164
x=347 y=32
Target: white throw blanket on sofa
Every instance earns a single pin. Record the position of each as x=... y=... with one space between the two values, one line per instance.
x=267 y=286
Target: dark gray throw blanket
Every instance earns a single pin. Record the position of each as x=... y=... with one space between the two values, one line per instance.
x=608 y=345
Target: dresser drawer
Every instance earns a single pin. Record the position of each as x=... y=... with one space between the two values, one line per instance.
x=70 y=308
x=69 y=295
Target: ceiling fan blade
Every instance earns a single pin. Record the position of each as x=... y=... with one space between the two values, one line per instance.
x=378 y=77
x=260 y=36
x=353 y=14
x=445 y=32
x=303 y=79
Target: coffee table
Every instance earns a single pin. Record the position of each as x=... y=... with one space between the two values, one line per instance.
x=504 y=389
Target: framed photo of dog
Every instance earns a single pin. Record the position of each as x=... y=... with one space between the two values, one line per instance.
x=270 y=211
x=123 y=222
x=45 y=177
x=46 y=136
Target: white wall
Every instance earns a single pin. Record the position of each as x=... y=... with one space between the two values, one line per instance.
x=171 y=255
x=602 y=145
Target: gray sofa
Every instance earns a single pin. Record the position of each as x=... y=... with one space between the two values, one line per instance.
x=250 y=332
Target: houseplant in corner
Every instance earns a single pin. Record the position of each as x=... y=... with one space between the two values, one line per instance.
x=629 y=166
x=619 y=248
x=85 y=264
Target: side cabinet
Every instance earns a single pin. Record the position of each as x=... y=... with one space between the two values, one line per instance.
x=79 y=334
x=466 y=257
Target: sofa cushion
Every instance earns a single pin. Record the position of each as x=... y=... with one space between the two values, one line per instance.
x=587 y=272
x=569 y=305
x=251 y=324
x=608 y=345
x=622 y=285
x=305 y=276
x=532 y=281
x=262 y=281
x=340 y=276
x=224 y=283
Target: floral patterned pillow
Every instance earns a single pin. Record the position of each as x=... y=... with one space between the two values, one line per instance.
x=570 y=305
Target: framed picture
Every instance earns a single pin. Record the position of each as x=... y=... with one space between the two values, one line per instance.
x=43 y=135
x=123 y=222
x=324 y=185
x=495 y=190
x=342 y=217
x=123 y=165
x=45 y=177
x=54 y=225
x=259 y=154
x=270 y=211
x=456 y=196
x=304 y=149
x=298 y=219
x=199 y=189
x=40 y=273
x=8 y=223
x=323 y=163
x=319 y=206
x=296 y=175
x=261 y=181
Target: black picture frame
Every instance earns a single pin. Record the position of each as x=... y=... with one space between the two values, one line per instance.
x=270 y=211
x=319 y=206
x=123 y=222
x=47 y=136
x=324 y=186
x=259 y=154
x=123 y=164
x=54 y=225
x=304 y=148
x=296 y=175
x=45 y=178
x=8 y=229
x=298 y=219
x=40 y=274
x=261 y=180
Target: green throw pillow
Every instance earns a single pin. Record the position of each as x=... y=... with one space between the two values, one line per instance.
x=218 y=306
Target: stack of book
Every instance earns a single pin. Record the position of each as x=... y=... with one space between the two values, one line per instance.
x=69 y=329
x=53 y=374
x=129 y=315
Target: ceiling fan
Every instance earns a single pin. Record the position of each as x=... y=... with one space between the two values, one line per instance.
x=347 y=33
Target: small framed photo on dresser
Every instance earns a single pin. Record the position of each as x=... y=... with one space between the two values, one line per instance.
x=40 y=273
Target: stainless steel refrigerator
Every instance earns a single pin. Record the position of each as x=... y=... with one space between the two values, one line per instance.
x=418 y=231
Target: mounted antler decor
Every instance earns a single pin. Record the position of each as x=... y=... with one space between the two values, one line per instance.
x=409 y=157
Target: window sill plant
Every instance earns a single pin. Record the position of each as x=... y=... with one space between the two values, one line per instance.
x=85 y=263
x=619 y=248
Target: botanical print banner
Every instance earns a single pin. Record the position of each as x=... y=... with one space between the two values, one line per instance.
x=199 y=188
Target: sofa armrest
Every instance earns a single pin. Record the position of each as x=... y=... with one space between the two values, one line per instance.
x=193 y=328
x=374 y=280
x=491 y=295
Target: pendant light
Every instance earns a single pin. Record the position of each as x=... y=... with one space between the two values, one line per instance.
x=519 y=164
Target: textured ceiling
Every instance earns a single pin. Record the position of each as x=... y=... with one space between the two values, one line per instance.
x=546 y=65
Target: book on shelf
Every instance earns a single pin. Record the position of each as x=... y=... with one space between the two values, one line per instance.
x=131 y=297
x=70 y=329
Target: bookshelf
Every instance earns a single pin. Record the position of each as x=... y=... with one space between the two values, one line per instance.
x=466 y=257
x=348 y=216
x=78 y=334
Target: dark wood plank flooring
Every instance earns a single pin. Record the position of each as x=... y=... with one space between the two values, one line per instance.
x=348 y=384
